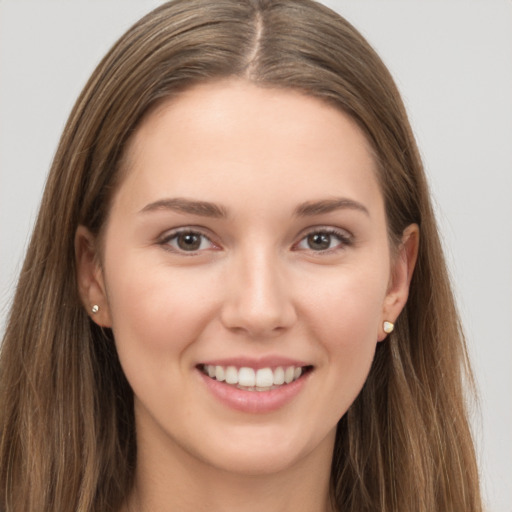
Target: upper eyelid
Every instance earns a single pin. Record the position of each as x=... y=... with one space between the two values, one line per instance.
x=325 y=228
x=171 y=233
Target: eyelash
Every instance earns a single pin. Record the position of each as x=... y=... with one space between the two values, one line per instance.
x=344 y=238
x=166 y=241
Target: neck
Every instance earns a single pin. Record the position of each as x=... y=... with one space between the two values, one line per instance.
x=178 y=481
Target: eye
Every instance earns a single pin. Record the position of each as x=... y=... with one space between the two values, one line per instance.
x=323 y=240
x=188 y=241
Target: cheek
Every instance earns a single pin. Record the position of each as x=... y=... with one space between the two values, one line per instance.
x=349 y=332
x=345 y=318
x=156 y=313
x=346 y=307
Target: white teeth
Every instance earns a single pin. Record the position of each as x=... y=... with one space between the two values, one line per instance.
x=247 y=377
x=263 y=379
x=288 y=374
x=231 y=375
x=220 y=374
x=278 y=376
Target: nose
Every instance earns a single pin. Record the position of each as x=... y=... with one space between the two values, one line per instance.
x=258 y=296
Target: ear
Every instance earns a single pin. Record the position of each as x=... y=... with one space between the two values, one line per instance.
x=401 y=275
x=91 y=285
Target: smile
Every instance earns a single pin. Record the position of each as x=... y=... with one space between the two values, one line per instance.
x=251 y=379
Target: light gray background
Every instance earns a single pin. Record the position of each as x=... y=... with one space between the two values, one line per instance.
x=453 y=63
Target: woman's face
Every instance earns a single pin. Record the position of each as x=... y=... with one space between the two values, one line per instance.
x=246 y=246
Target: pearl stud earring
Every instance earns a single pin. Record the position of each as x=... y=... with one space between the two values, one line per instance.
x=388 y=327
x=95 y=309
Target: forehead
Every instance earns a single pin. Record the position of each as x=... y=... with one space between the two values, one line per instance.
x=235 y=137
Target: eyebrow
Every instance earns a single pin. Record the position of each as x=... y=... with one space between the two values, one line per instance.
x=182 y=205
x=208 y=209
x=311 y=208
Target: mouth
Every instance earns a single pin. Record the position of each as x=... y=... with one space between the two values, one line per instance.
x=251 y=379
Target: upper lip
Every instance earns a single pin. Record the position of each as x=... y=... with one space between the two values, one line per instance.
x=256 y=363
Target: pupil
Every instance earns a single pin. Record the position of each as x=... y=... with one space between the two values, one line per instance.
x=189 y=242
x=319 y=241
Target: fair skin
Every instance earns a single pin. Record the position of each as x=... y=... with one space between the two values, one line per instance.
x=249 y=232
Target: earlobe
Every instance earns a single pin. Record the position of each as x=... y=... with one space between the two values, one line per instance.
x=401 y=276
x=90 y=279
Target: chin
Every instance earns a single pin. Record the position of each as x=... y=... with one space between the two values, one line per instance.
x=255 y=462
x=265 y=451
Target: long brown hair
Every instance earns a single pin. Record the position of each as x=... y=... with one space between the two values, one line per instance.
x=66 y=409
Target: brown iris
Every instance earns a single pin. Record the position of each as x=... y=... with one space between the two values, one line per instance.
x=319 y=241
x=189 y=241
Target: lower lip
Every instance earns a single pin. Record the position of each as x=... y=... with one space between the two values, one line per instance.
x=255 y=402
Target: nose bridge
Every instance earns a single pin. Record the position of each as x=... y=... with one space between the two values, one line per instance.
x=258 y=298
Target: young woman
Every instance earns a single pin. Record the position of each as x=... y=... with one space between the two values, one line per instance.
x=235 y=297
